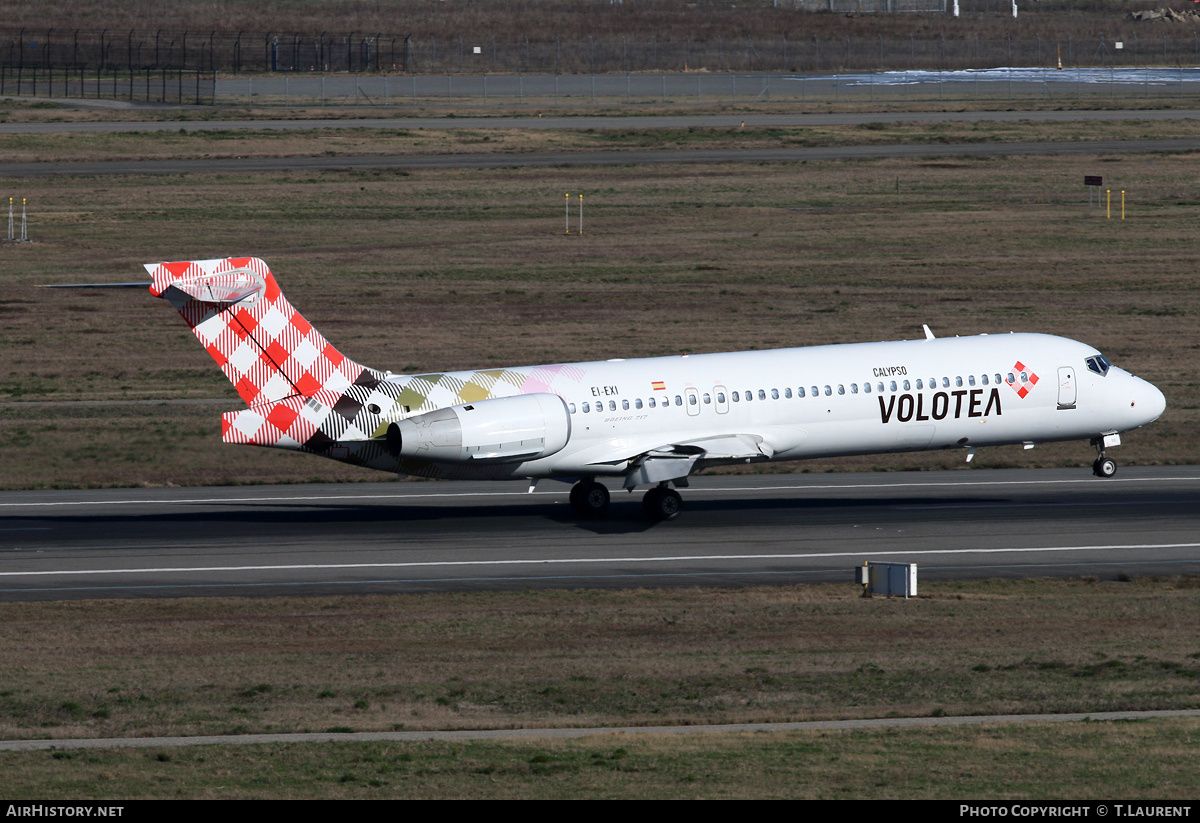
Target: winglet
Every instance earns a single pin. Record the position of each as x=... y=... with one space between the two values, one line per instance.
x=928 y=333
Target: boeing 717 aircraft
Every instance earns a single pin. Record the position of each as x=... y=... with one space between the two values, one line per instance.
x=646 y=422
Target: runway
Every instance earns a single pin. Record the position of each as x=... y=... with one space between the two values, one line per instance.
x=735 y=530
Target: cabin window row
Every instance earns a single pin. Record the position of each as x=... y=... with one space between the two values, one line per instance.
x=749 y=395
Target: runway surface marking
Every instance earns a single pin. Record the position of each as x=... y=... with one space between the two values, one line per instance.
x=691 y=490
x=584 y=560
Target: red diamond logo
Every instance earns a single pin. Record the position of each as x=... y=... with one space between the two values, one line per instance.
x=1021 y=381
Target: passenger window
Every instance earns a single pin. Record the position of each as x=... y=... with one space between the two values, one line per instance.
x=572 y=408
x=1024 y=377
x=800 y=392
x=625 y=405
x=892 y=385
x=637 y=403
x=867 y=388
x=707 y=399
x=787 y=393
x=774 y=394
x=920 y=385
x=651 y=402
x=612 y=405
x=970 y=380
x=998 y=380
x=587 y=407
x=907 y=386
x=736 y=399
x=879 y=386
x=720 y=397
x=678 y=400
x=945 y=382
x=828 y=391
x=841 y=389
x=816 y=392
x=854 y=388
x=984 y=379
x=762 y=395
x=958 y=382
x=1011 y=379
x=691 y=399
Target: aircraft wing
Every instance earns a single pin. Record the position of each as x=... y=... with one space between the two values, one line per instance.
x=672 y=461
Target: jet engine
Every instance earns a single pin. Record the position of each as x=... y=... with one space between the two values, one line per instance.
x=503 y=430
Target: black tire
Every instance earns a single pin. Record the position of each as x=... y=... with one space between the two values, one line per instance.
x=589 y=498
x=1104 y=467
x=662 y=504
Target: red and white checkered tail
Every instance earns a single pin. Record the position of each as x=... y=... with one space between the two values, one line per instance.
x=266 y=349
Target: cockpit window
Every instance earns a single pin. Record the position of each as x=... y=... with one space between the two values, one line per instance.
x=1099 y=364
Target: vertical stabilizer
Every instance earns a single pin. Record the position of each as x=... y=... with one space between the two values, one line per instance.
x=265 y=347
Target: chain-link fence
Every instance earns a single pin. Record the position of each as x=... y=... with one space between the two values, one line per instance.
x=366 y=52
x=142 y=84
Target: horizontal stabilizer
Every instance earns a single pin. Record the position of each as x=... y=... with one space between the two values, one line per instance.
x=142 y=285
x=232 y=286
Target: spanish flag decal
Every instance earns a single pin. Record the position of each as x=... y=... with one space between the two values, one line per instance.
x=658 y=385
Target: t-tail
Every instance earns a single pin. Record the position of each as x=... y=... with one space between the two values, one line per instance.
x=291 y=378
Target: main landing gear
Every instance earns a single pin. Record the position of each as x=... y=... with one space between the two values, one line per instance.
x=590 y=499
x=662 y=503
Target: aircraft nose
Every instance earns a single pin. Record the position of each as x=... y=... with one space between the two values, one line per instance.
x=1148 y=403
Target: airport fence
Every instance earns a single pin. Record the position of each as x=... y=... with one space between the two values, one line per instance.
x=136 y=84
x=24 y=50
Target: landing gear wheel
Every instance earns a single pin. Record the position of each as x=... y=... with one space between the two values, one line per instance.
x=662 y=503
x=589 y=498
x=1104 y=467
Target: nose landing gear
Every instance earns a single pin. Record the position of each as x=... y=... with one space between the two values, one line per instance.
x=1104 y=466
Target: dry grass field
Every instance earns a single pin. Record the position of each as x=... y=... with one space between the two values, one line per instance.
x=582 y=659
x=201 y=666
x=1064 y=762
x=340 y=142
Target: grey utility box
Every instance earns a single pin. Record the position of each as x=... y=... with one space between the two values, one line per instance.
x=890 y=579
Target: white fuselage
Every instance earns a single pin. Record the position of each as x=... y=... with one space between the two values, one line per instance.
x=821 y=401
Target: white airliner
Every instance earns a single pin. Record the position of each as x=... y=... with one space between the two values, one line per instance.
x=645 y=422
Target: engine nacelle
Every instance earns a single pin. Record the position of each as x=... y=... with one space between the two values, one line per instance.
x=503 y=430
